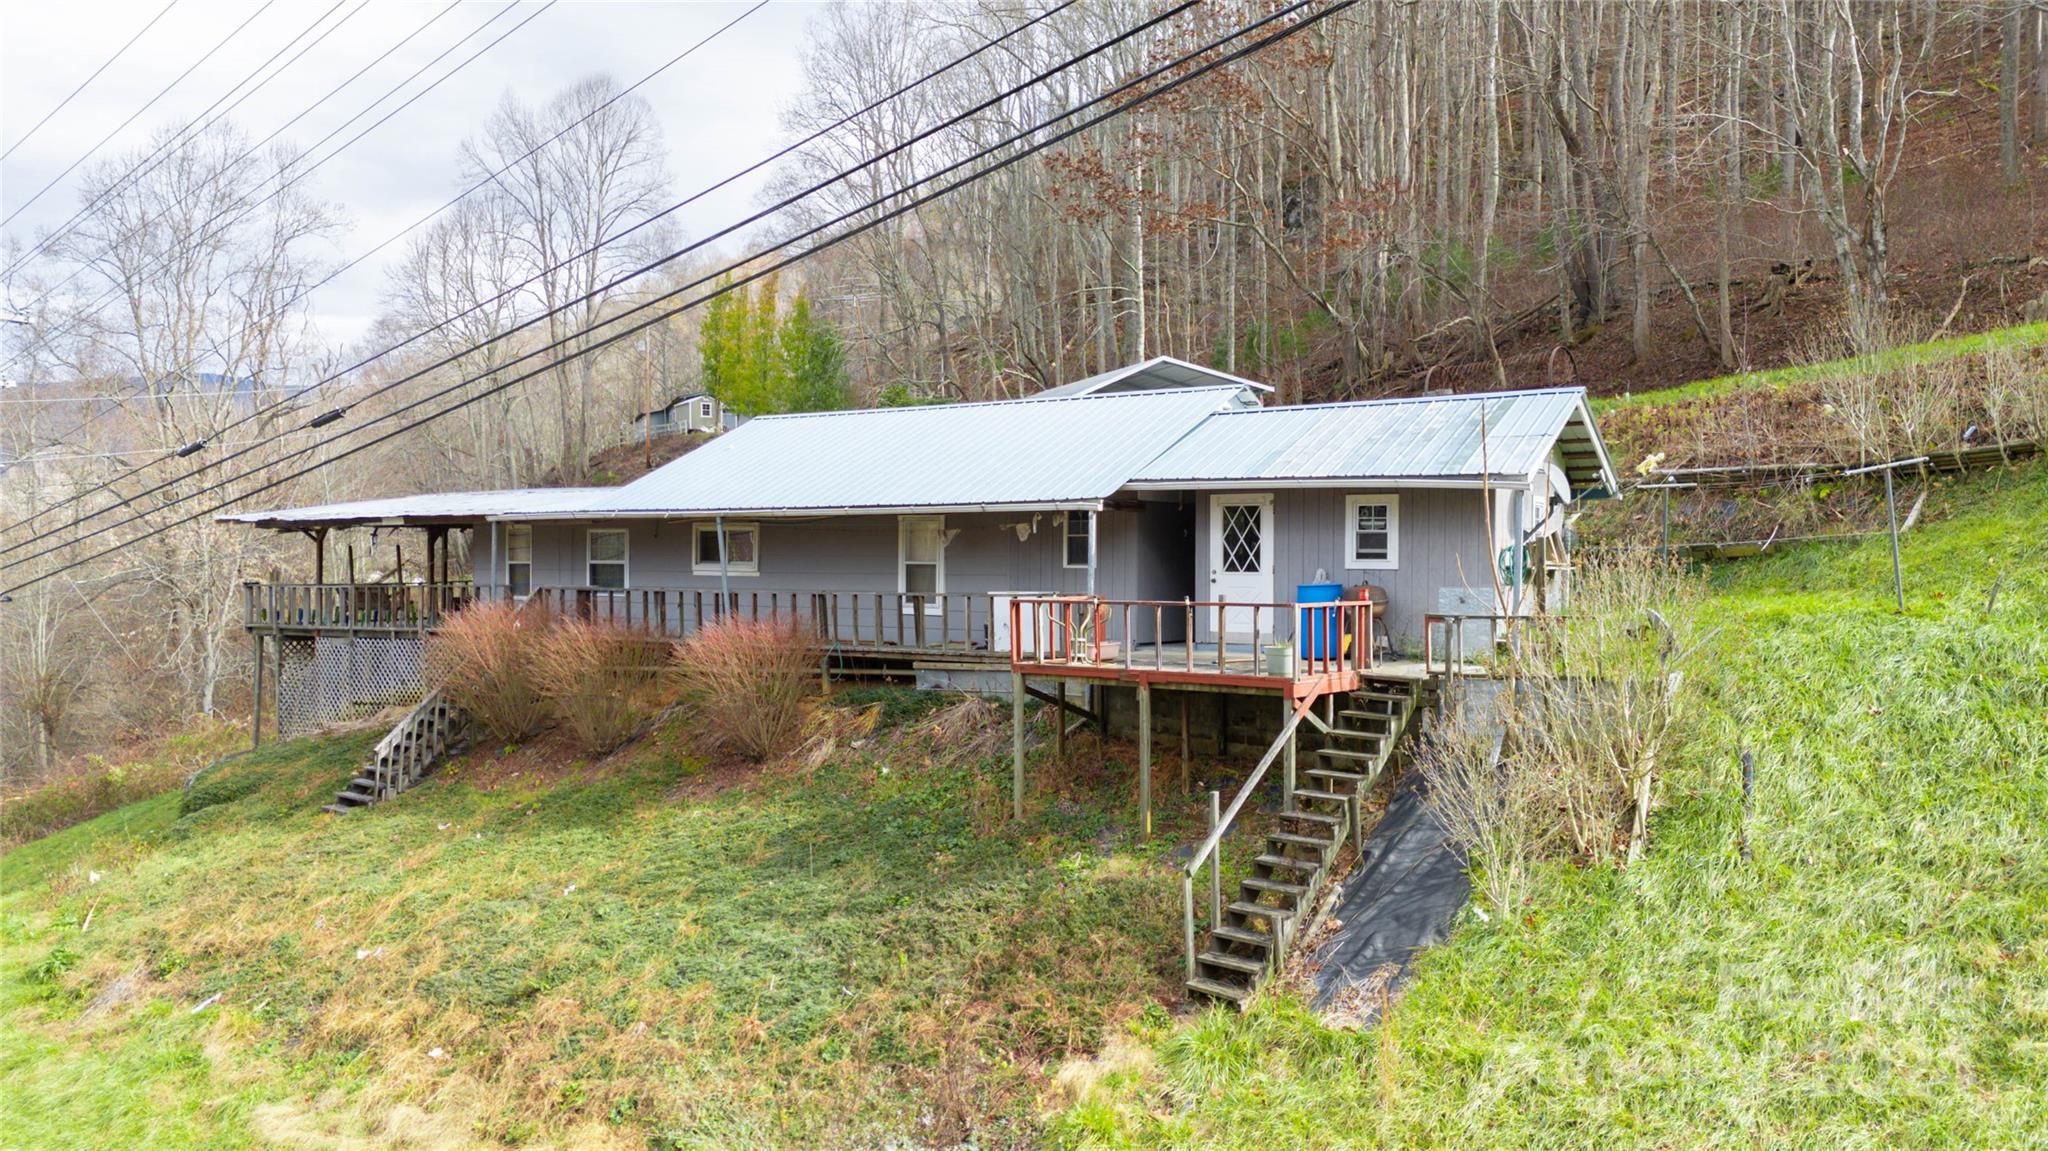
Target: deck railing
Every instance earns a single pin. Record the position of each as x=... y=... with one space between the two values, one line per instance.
x=352 y=607
x=1166 y=635
x=955 y=622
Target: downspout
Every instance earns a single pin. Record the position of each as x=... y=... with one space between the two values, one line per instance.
x=1091 y=552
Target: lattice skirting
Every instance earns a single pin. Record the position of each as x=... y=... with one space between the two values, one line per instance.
x=328 y=679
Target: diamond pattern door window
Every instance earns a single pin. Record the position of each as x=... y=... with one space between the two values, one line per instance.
x=1241 y=538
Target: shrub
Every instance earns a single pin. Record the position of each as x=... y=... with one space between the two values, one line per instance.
x=749 y=681
x=598 y=678
x=1497 y=807
x=484 y=658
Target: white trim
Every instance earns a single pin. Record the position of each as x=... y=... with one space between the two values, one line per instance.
x=903 y=526
x=1066 y=542
x=732 y=566
x=1268 y=522
x=625 y=561
x=1473 y=483
x=1350 y=532
x=505 y=555
x=704 y=411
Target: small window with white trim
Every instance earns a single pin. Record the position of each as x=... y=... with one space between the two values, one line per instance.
x=1077 y=540
x=921 y=560
x=519 y=559
x=607 y=557
x=742 y=550
x=704 y=409
x=1372 y=532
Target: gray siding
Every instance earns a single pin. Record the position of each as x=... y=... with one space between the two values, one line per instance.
x=1443 y=543
x=1140 y=553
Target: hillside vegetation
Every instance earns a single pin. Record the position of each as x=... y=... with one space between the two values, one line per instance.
x=855 y=948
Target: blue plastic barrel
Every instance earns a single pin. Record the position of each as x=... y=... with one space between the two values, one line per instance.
x=1321 y=631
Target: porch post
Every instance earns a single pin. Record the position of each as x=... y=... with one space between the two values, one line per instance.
x=1287 y=755
x=1059 y=729
x=1144 y=758
x=256 y=704
x=1017 y=744
x=1092 y=519
x=724 y=576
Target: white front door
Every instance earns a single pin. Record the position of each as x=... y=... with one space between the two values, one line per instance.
x=1241 y=560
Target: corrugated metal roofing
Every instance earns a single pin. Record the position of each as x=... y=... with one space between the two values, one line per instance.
x=1426 y=438
x=429 y=506
x=1050 y=452
x=1155 y=373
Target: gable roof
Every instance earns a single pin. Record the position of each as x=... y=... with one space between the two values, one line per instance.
x=1037 y=452
x=1157 y=373
x=1433 y=440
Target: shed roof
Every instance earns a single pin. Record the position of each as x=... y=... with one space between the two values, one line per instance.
x=1159 y=372
x=429 y=508
x=1038 y=452
x=1433 y=439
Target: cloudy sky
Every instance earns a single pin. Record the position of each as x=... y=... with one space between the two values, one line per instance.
x=719 y=108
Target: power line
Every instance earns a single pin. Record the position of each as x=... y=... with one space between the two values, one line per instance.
x=1136 y=101
x=236 y=31
x=602 y=242
x=192 y=130
x=309 y=170
x=61 y=104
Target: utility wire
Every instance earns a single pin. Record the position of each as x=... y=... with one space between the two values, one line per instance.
x=602 y=242
x=309 y=170
x=192 y=130
x=1135 y=101
x=23 y=138
x=161 y=93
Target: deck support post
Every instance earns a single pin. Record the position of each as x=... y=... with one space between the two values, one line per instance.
x=256 y=702
x=1144 y=759
x=1287 y=754
x=1186 y=759
x=1059 y=729
x=1017 y=744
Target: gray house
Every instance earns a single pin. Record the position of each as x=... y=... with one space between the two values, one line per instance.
x=918 y=528
x=691 y=412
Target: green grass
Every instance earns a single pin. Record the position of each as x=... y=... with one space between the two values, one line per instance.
x=1877 y=976
x=1925 y=352
x=656 y=953
x=637 y=955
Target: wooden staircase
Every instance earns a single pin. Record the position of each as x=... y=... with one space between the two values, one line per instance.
x=427 y=734
x=1274 y=902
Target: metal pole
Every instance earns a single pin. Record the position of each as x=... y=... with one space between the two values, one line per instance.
x=1144 y=758
x=1667 y=521
x=1891 y=510
x=1215 y=862
x=1091 y=553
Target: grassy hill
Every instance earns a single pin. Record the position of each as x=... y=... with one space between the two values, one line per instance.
x=857 y=949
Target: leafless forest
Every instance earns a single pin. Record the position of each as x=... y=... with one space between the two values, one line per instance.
x=1408 y=195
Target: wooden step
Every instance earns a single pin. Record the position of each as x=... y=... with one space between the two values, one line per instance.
x=1372 y=757
x=1232 y=962
x=1276 y=886
x=1241 y=935
x=1336 y=777
x=1322 y=796
x=1262 y=910
x=1287 y=863
x=337 y=809
x=1301 y=840
x=1210 y=987
x=1348 y=733
x=1381 y=693
x=1368 y=716
x=1314 y=817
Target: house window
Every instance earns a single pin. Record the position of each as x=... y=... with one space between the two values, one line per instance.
x=1372 y=531
x=607 y=549
x=921 y=559
x=519 y=559
x=1077 y=539
x=742 y=549
x=704 y=409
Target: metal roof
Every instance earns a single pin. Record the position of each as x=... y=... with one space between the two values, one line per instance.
x=432 y=507
x=1036 y=452
x=1429 y=439
x=1157 y=373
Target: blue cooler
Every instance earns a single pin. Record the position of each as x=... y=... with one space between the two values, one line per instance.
x=1320 y=634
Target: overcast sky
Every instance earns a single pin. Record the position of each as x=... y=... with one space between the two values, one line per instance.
x=719 y=108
